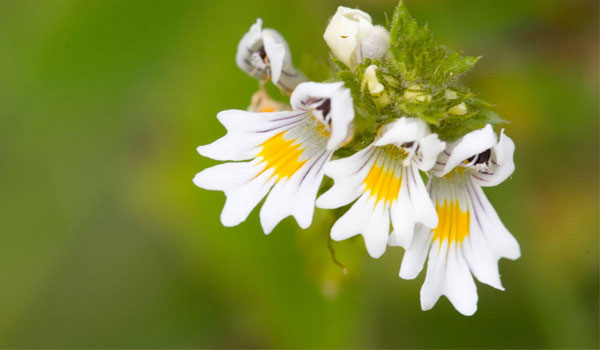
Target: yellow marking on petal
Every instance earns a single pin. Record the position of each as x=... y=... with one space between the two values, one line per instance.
x=282 y=155
x=383 y=183
x=267 y=109
x=453 y=223
x=459 y=170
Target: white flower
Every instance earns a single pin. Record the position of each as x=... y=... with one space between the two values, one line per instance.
x=352 y=37
x=264 y=54
x=287 y=153
x=385 y=178
x=469 y=238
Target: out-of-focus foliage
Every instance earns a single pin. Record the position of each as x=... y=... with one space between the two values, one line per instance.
x=107 y=243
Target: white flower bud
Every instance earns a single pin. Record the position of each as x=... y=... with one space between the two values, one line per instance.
x=352 y=37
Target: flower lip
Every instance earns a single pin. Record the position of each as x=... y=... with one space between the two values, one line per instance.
x=468 y=147
x=331 y=104
x=403 y=131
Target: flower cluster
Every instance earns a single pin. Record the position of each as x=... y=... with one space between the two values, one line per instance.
x=392 y=114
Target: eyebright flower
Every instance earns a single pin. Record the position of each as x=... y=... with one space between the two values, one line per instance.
x=385 y=178
x=352 y=37
x=287 y=153
x=264 y=54
x=469 y=238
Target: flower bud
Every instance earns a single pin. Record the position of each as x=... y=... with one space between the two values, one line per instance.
x=371 y=81
x=351 y=37
x=459 y=109
x=376 y=89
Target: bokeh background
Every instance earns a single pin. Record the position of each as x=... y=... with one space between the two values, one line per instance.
x=105 y=242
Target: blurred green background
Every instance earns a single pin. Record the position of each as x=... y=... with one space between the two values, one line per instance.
x=105 y=242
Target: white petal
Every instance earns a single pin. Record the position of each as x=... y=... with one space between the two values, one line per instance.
x=448 y=274
x=349 y=174
x=278 y=205
x=351 y=223
x=500 y=239
x=242 y=121
x=413 y=205
x=276 y=53
x=377 y=231
x=342 y=115
x=226 y=176
x=415 y=255
x=421 y=200
x=469 y=145
x=304 y=205
x=294 y=196
x=433 y=287
x=241 y=200
x=342 y=167
x=342 y=109
x=372 y=221
x=309 y=90
x=430 y=147
x=234 y=146
x=247 y=45
x=501 y=163
x=401 y=131
x=402 y=214
x=247 y=131
x=459 y=286
x=480 y=257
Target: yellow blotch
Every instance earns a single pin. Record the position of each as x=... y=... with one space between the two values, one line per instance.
x=383 y=184
x=267 y=109
x=282 y=155
x=453 y=223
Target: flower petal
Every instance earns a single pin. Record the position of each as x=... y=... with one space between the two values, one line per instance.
x=501 y=164
x=401 y=131
x=276 y=53
x=448 y=274
x=366 y=218
x=250 y=42
x=247 y=131
x=469 y=145
x=241 y=200
x=304 y=205
x=499 y=238
x=342 y=109
x=415 y=255
x=348 y=174
x=294 y=196
x=421 y=201
x=226 y=176
x=430 y=147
